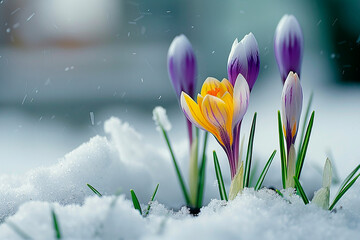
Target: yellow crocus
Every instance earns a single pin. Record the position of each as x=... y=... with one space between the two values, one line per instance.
x=219 y=108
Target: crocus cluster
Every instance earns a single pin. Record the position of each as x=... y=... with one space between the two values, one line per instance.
x=221 y=106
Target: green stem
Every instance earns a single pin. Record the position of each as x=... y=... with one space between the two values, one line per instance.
x=182 y=184
x=202 y=174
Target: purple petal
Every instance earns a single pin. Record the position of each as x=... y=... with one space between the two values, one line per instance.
x=244 y=59
x=182 y=65
x=288 y=46
x=292 y=98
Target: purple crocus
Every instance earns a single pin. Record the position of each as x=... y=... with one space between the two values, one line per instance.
x=288 y=46
x=244 y=59
x=182 y=70
x=291 y=100
x=182 y=66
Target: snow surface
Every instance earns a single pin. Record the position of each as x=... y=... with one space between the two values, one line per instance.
x=115 y=163
x=252 y=215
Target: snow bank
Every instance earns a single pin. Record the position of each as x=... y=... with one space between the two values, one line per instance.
x=252 y=215
x=121 y=162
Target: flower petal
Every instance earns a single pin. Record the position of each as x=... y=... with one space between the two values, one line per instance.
x=213 y=87
x=292 y=98
x=228 y=85
x=217 y=114
x=193 y=113
x=240 y=99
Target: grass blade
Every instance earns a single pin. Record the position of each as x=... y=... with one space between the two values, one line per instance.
x=16 y=229
x=347 y=179
x=135 y=201
x=278 y=192
x=304 y=146
x=342 y=192
x=306 y=116
x=264 y=171
x=249 y=152
x=55 y=224
x=219 y=177
x=94 y=190
x=151 y=200
x=282 y=152
x=301 y=191
x=178 y=173
x=202 y=174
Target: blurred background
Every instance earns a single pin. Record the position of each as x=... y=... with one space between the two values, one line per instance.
x=66 y=66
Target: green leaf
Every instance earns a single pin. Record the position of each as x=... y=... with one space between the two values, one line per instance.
x=151 y=200
x=178 y=173
x=301 y=191
x=16 y=229
x=219 y=177
x=282 y=151
x=55 y=224
x=135 y=201
x=347 y=179
x=237 y=184
x=94 y=190
x=264 y=171
x=202 y=174
x=306 y=116
x=249 y=152
x=304 y=146
x=278 y=192
x=343 y=191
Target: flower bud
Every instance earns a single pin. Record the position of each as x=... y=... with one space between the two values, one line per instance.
x=182 y=66
x=244 y=59
x=288 y=46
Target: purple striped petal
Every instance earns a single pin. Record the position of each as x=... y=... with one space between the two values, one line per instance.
x=291 y=99
x=182 y=65
x=244 y=59
x=288 y=46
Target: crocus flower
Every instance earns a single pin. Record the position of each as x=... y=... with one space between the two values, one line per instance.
x=182 y=70
x=219 y=108
x=244 y=59
x=182 y=65
x=288 y=46
x=291 y=99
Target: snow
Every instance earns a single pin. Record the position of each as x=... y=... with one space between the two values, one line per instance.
x=252 y=215
x=114 y=163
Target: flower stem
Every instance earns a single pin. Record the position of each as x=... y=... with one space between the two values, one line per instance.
x=182 y=184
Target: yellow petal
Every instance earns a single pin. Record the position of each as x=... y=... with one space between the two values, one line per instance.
x=193 y=113
x=228 y=85
x=216 y=113
x=213 y=87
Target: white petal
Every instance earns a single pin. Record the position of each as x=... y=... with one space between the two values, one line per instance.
x=240 y=98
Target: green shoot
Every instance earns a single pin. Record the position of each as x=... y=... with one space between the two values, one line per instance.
x=94 y=190
x=249 y=152
x=135 y=201
x=219 y=177
x=202 y=174
x=278 y=192
x=302 y=153
x=301 y=191
x=345 y=186
x=178 y=173
x=306 y=116
x=55 y=224
x=151 y=200
x=264 y=171
x=16 y=229
x=282 y=152
x=347 y=179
